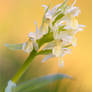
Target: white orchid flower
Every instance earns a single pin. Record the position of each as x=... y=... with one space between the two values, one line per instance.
x=67 y=37
x=10 y=86
x=71 y=12
x=51 y=14
x=59 y=51
x=73 y=25
x=29 y=44
x=35 y=36
x=69 y=28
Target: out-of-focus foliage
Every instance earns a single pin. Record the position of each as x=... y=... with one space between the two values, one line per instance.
x=39 y=82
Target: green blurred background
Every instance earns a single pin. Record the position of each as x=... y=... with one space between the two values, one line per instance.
x=17 y=19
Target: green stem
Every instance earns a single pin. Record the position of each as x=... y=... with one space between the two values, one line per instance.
x=24 y=67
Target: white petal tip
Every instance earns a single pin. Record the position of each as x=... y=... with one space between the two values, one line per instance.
x=31 y=35
x=61 y=64
x=45 y=7
x=82 y=25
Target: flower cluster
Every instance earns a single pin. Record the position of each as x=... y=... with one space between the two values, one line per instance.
x=62 y=25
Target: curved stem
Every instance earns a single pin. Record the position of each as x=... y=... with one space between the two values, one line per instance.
x=25 y=66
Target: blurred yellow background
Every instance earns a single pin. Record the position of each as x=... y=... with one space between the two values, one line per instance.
x=17 y=19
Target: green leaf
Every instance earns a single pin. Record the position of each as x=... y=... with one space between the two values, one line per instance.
x=34 y=84
x=14 y=46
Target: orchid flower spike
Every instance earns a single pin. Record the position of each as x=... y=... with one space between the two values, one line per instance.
x=57 y=32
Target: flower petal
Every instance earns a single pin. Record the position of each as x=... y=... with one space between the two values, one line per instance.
x=47 y=57
x=49 y=45
x=74 y=3
x=28 y=46
x=37 y=30
x=45 y=7
x=14 y=46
